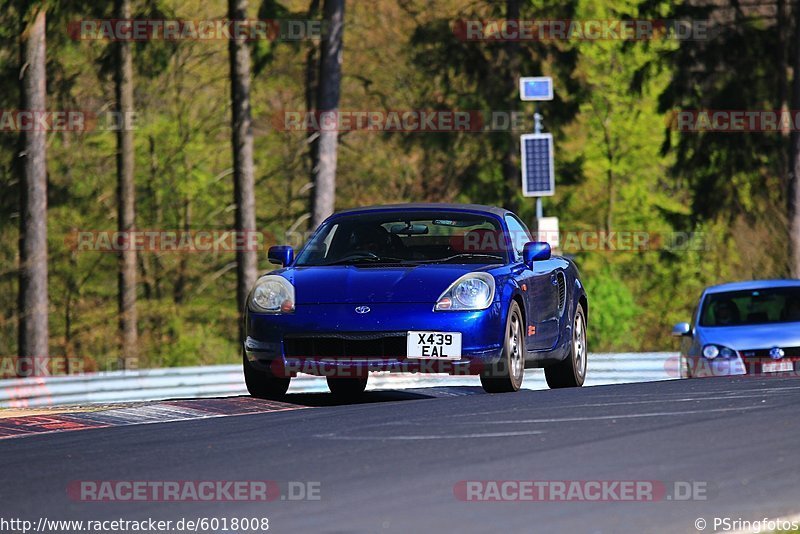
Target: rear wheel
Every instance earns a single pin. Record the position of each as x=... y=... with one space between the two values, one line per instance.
x=347 y=388
x=506 y=375
x=263 y=384
x=571 y=372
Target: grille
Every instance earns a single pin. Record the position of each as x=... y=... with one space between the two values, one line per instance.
x=377 y=346
x=755 y=359
x=763 y=354
x=562 y=291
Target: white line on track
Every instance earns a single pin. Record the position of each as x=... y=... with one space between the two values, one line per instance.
x=423 y=436
x=662 y=401
x=624 y=416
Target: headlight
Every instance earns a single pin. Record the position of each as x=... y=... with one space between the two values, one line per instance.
x=473 y=291
x=272 y=294
x=712 y=351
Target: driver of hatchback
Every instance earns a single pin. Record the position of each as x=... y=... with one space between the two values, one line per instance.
x=792 y=311
x=726 y=312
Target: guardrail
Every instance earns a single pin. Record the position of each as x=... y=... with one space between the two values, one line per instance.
x=226 y=380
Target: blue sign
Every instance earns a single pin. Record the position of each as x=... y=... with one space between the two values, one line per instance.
x=538 y=173
x=536 y=88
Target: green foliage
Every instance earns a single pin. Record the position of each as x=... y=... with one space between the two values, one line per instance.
x=619 y=168
x=613 y=309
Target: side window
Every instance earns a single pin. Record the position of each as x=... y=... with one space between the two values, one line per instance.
x=519 y=235
x=329 y=239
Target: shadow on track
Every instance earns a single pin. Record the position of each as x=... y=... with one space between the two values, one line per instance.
x=322 y=399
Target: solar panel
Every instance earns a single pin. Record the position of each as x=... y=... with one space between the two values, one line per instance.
x=536 y=88
x=538 y=174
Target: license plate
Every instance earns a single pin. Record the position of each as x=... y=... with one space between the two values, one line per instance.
x=434 y=345
x=776 y=367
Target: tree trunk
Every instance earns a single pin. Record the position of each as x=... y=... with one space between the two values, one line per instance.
x=33 y=297
x=126 y=197
x=311 y=83
x=179 y=290
x=794 y=181
x=511 y=164
x=243 y=171
x=330 y=76
x=156 y=215
x=611 y=182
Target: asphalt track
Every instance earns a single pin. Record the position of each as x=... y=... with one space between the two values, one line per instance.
x=391 y=462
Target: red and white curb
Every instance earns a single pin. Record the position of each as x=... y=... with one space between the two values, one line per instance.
x=159 y=412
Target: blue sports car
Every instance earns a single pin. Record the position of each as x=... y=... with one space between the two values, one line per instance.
x=429 y=288
x=743 y=328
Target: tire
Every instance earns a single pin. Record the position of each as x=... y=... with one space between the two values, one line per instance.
x=571 y=372
x=347 y=388
x=263 y=384
x=506 y=375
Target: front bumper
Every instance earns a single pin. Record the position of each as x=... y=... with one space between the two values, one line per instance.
x=700 y=367
x=269 y=338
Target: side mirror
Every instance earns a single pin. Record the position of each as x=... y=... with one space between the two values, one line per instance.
x=681 y=330
x=281 y=255
x=536 y=251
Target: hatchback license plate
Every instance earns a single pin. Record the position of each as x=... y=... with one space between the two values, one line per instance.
x=777 y=367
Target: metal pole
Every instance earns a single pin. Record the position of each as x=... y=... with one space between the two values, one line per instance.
x=537 y=121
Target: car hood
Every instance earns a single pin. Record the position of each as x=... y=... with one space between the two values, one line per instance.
x=349 y=284
x=763 y=336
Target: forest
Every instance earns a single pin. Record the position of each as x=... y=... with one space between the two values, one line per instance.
x=208 y=136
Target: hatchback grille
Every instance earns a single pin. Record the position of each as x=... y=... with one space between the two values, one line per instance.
x=373 y=346
x=758 y=354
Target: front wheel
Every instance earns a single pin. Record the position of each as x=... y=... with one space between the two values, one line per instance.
x=571 y=372
x=263 y=384
x=506 y=375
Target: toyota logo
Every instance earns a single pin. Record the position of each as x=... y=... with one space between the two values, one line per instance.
x=362 y=310
x=776 y=353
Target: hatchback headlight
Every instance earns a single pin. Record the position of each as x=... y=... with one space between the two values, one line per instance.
x=712 y=351
x=272 y=294
x=473 y=291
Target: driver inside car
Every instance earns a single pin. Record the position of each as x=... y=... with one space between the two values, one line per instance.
x=726 y=312
x=371 y=240
x=792 y=311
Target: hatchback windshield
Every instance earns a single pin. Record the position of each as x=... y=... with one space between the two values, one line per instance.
x=407 y=238
x=762 y=306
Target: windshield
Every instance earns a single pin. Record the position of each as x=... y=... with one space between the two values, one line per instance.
x=406 y=238
x=763 y=306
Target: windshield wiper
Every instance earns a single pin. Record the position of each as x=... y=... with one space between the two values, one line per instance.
x=463 y=256
x=366 y=259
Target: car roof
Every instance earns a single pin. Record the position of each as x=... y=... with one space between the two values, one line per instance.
x=500 y=212
x=753 y=285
